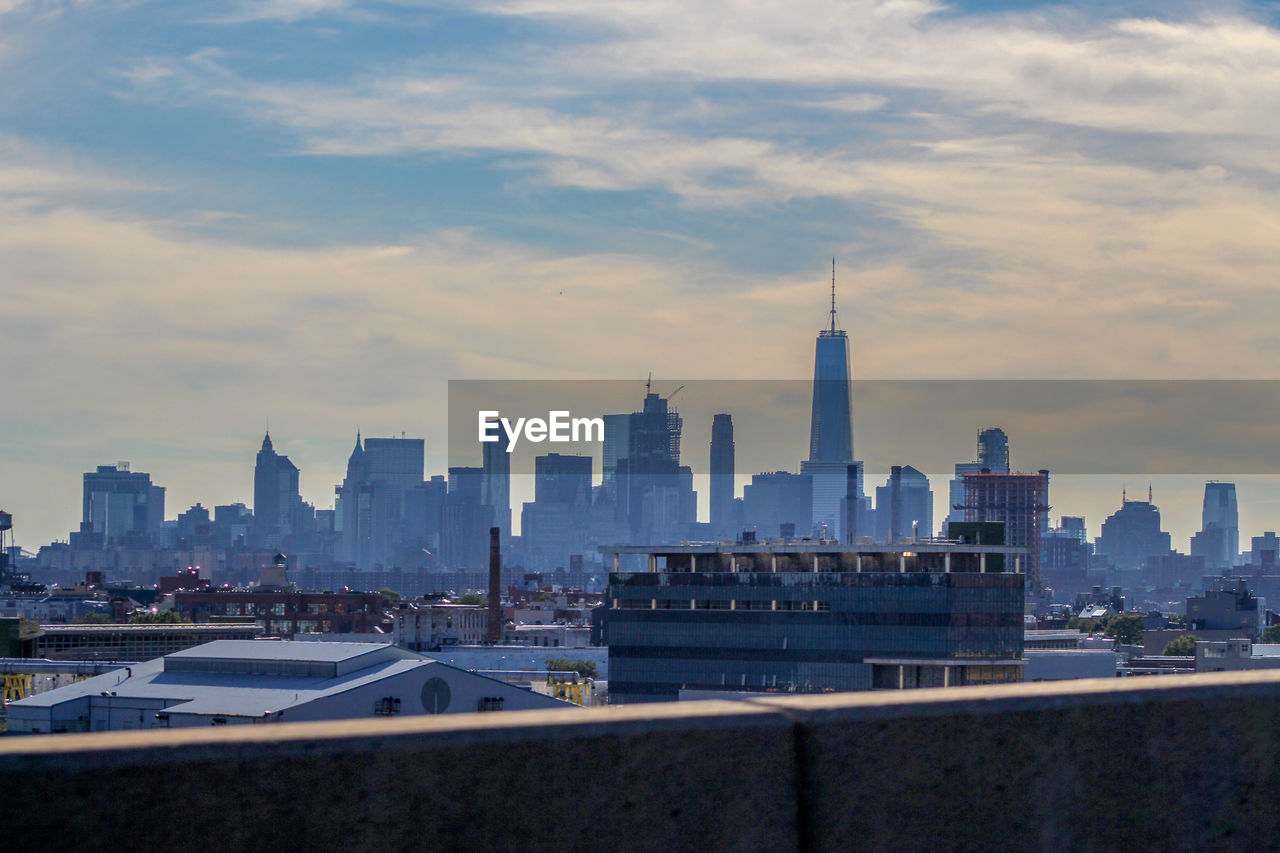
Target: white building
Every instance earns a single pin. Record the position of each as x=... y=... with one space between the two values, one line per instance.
x=268 y=681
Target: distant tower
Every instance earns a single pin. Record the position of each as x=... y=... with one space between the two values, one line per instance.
x=831 y=431
x=495 y=485
x=1219 y=538
x=722 y=468
x=993 y=450
x=831 y=421
x=275 y=495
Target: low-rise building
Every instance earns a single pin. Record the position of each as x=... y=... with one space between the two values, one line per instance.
x=813 y=617
x=131 y=642
x=232 y=682
x=283 y=613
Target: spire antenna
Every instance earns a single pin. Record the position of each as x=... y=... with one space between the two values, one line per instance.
x=833 y=293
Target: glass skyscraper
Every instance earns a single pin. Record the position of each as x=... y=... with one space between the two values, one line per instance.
x=830 y=429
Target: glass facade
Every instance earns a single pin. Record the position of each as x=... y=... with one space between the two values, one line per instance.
x=806 y=631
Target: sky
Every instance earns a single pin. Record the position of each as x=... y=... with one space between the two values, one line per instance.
x=313 y=214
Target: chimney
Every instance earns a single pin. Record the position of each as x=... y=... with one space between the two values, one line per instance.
x=493 y=632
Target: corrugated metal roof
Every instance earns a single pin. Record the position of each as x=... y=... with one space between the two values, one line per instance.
x=283 y=650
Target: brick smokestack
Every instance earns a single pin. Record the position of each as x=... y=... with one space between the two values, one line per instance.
x=493 y=632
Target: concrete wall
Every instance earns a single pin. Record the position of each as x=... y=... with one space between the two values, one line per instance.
x=1168 y=763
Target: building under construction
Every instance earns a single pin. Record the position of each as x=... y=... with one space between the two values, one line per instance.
x=1020 y=502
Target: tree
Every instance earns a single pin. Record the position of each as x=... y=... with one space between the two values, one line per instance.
x=471 y=598
x=1127 y=628
x=1271 y=635
x=585 y=668
x=1089 y=626
x=1182 y=646
x=159 y=617
x=389 y=596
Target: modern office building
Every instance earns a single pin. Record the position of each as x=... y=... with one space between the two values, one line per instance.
x=556 y=524
x=1064 y=557
x=655 y=501
x=277 y=504
x=118 y=501
x=1131 y=535
x=830 y=430
x=831 y=418
x=993 y=450
x=495 y=485
x=1018 y=501
x=777 y=504
x=1218 y=540
x=812 y=617
x=373 y=512
x=723 y=523
x=904 y=506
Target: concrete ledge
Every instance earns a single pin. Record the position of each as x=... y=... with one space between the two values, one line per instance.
x=1163 y=763
x=644 y=778
x=1160 y=763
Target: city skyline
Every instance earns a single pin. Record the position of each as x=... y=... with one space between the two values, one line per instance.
x=317 y=213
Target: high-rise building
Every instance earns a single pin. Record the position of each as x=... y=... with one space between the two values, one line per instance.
x=904 y=506
x=776 y=501
x=993 y=450
x=495 y=486
x=465 y=521
x=655 y=499
x=1020 y=502
x=555 y=525
x=830 y=429
x=1131 y=535
x=1265 y=549
x=1064 y=557
x=562 y=479
x=1219 y=538
x=723 y=523
x=617 y=438
x=118 y=501
x=831 y=419
x=276 y=502
x=375 y=498
x=992 y=458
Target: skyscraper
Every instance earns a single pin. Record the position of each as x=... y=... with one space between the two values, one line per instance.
x=904 y=506
x=495 y=486
x=1131 y=535
x=119 y=501
x=831 y=420
x=374 y=498
x=554 y=527
x=275 y=496
x=830 y=428
x=993 y=450
x=1219 y=538
x=1020 y=502
x=655 y=498
x=992 y=458
x=722 y=486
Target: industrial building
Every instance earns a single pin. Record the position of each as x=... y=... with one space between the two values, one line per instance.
x=809 y=616
x=267 y=681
